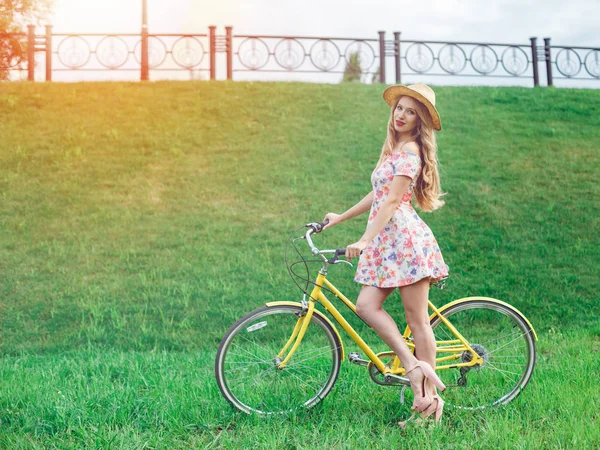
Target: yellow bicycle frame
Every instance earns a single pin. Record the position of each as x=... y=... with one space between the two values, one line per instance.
x=452 y=349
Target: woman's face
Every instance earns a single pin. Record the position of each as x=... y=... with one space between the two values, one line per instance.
x=405 y=115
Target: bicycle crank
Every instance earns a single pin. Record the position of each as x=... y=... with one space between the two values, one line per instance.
x=386 y=379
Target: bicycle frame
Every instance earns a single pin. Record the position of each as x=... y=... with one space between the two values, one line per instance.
x=455 y=347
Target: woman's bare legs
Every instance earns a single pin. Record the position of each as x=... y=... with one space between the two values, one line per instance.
x=414 y=299
x=369 y=308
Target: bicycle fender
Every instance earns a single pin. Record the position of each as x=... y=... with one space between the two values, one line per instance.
x=493 y=300
x=316 y=311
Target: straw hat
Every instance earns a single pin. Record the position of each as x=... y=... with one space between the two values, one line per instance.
x=418 y=91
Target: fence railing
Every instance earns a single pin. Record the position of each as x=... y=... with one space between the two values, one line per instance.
x=197 y=53
x=577 y=63
x=466 y=59
x=302 y=54
x=90 y=52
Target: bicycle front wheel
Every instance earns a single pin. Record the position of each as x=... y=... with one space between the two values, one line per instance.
x=246 y=364
x=502 y=338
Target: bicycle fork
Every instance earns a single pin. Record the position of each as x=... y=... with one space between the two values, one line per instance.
x=299 y=330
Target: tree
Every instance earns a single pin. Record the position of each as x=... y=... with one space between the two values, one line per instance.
x=353 y=71
x=375 y=78
x=14 y=16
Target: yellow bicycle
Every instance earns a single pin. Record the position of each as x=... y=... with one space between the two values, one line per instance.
x=287 y=355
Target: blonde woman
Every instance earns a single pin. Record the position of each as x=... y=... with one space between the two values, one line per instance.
x=398 y=250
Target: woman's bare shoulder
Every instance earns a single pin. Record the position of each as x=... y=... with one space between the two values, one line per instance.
x=412 y=147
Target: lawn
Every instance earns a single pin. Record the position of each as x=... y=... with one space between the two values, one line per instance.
x=140 y=220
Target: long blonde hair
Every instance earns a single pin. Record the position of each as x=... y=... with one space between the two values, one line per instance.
x=427 y=187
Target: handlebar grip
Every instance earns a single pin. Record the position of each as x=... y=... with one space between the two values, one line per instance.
x=340 y=251
x=317 y=227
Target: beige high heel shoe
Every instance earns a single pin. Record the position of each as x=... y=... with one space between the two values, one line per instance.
x=420 y=419
x=420 y=404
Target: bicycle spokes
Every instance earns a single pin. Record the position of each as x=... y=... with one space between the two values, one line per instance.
x=500 y=359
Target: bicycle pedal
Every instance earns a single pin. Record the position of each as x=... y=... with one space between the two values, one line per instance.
x=356 y=358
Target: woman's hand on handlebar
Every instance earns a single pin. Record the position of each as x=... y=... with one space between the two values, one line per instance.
x=354 y=250
x=333 y=219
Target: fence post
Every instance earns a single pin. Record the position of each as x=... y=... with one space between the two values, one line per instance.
x=31 y=52
x=145 y=69
x=548 y=60
x=213 y=50
x=229 y=49
x=48 y=52
x=534 y=61
x=397 y=56
x=145 y=72
x=382 y=56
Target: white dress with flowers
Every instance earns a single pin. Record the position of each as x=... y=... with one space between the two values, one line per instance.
x=405 y=251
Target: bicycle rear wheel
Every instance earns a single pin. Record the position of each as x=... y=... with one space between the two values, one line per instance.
x=246 y=366
x=505 y=341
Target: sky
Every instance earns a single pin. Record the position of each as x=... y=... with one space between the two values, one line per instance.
x=504 y=21
x=513 y=21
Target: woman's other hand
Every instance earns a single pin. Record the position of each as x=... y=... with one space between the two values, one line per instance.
x=333 y=218
x=354 y=250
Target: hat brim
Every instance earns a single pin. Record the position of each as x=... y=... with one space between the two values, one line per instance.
x=393 y=93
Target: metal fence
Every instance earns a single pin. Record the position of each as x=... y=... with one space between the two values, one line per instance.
x=200 y=53
x=577 y=63
x=301 y=54
x=166 y=52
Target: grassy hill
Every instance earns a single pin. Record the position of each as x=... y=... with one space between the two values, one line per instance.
x=139 y=221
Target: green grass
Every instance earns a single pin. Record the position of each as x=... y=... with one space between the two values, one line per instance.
x=116 y=399
x=139 y=221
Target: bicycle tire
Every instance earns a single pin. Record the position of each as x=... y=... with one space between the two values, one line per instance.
x=246 y=371
x=505 y=340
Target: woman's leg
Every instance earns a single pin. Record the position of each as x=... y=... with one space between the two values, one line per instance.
x=414 y=299
x=369 y=308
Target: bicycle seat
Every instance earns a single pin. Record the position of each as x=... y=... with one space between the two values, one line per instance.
x=441 y=283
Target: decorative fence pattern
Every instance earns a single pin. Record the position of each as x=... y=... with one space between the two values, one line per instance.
x=466 y=59
x=577 y=63
x=124 y=52
x=146 y=52
x=302 y=54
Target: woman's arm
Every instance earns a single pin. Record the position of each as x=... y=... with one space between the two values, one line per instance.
x=398 y=187
x=361 y=207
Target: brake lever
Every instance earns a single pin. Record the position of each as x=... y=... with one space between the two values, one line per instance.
x=345 y=262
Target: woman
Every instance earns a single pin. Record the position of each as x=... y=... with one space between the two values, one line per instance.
x=398 y=250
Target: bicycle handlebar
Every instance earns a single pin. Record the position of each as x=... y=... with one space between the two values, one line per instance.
x=317 y=227
x=340 y=252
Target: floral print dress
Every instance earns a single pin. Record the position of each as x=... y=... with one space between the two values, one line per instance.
x=405 y=251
